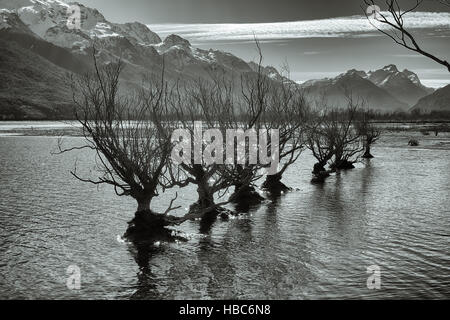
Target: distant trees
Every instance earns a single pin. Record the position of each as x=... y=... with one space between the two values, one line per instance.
x=338 y=137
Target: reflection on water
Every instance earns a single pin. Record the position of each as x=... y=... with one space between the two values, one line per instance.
x=314 y=242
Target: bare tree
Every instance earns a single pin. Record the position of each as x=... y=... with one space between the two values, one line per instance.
x=369 y=133
x=347 y=141
x=131 y=150
x=320 y=141
x=286 y=111
x=131 y=138
x=333 y=138
x=251 y=103
x=397 y=31
x=211 y=104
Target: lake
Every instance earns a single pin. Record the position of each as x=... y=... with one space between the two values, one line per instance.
x=317 y=241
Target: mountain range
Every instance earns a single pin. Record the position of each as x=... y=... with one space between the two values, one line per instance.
x=386 y=89
x=39 y=52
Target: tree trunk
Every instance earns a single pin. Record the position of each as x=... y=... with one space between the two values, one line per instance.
x=205 y=201
x=205 y=194
x=318 y=168
x=148 y=226
x=144 y=203
x=319 y=173
x=367 y=154
x=246 y=194
x=205 y=197
x=273 y=184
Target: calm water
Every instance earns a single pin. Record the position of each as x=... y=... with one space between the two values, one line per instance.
x=315 y=242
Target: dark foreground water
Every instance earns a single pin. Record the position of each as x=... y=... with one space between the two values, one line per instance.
x=315 y=242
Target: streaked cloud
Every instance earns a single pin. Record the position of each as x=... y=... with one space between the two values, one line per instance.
x=435 y=83
x=437 y=24
x=408 y=56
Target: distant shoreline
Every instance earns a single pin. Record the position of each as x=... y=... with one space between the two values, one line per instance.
x=70 y=128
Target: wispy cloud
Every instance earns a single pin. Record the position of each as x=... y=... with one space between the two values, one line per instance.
x=354 y=26
x=408 y=56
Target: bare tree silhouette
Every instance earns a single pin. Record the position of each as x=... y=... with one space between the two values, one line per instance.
x=131 y=142
x=287 y=111
x=395 y=19
x=369 y=133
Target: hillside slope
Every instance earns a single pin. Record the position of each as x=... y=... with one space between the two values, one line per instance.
x=438 y=101
x=31 y=87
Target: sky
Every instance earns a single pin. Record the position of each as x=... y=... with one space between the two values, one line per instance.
x=316 y=38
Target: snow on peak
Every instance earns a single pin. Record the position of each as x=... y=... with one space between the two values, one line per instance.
x=174 y=43
x=360 y=73
x=412 y=76
x=391 y=68
x=48 y=19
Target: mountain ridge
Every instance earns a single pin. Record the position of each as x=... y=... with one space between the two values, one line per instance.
x=438 y=101
x=386 y=89
x=39 y=27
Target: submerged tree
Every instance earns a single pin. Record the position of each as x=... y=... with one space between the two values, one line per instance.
x=131 y=150
x=333 y=139
x=320 y=141
x=286 y=111
x=347 y=141
x=246 y=116
x=202 y=108
x=369 y=133
x=131 y=138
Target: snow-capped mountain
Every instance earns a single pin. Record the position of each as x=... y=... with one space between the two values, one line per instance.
x=335 y=92
x=39 y=29
x=269 y=71
x=48 y=20
x=385 y=89
x=404 y=85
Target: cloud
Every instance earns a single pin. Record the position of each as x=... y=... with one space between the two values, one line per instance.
x=408 y=56
x=435 y=83
x=354 y=26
